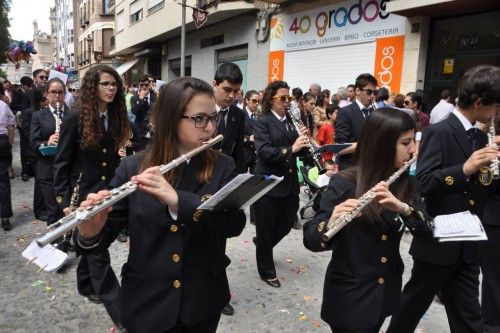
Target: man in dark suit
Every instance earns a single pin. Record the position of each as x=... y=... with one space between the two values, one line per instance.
x=451 y=153
x=351 y=118
x=490 y=255
x=227 y=83
x=21 y=101
x=141 y=105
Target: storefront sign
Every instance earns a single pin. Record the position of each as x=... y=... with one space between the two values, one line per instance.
x=348 y=22
x=389 y=62
x=276 y=65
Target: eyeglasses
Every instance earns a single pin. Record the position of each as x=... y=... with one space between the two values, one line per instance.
x=283 y=98
x=56 y=92
x=43 y=77
x=201 y=121
x=143 y=84
x=256 y=101
x=370 y=91
x=108 y=84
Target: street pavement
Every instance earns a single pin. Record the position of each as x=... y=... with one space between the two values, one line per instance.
x=49 y=302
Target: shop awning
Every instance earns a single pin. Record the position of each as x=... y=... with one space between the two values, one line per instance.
x=126 y=66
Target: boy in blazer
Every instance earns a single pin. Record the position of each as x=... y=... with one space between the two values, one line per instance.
x=451 y=154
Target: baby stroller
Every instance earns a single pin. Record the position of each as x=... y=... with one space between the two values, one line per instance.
x=313 y=191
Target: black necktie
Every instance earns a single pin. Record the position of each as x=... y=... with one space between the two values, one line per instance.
x=103 y=123
x=366 y=112
x=222 y=121
x=471 y=133
x=146 y=100
x=285 y=125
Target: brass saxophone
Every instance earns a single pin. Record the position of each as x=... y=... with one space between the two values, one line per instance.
x=334 y=226
x=494 y=167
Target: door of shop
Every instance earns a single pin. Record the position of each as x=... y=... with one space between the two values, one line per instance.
x=457 y=44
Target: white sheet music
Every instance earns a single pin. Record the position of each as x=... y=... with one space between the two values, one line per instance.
x=48 y=257
x=462 y=226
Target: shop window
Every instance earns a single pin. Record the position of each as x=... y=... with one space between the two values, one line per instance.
x=174 y=67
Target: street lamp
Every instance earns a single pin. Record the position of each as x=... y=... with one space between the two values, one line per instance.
x=90 y=45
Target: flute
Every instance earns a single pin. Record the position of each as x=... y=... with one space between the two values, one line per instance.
x=316 y=158
x=58 y=117
x=80 y=215
x=334 y=226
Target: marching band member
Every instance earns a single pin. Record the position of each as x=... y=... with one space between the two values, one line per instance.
x=43 y=133
x=450 y=156
x=277 y=144
x=90 y=142
x=175 y=276
x=364 y=277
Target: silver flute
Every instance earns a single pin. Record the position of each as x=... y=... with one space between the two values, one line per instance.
x=334 y=226
x=81 y=215
x=494 y=167
x=316 y=158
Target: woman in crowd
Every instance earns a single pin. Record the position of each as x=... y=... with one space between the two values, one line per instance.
x=92 y=142
x=306 y=111
x=319 y=111
x=363 y=280
x=175 y=278
x=7 y=132
x=277 y=144
x=42 y=134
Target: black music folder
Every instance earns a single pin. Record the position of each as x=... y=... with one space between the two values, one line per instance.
x=241 y=192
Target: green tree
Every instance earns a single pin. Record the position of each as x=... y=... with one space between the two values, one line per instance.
x=4 y=29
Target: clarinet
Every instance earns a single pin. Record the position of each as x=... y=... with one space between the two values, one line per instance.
x=58 y=118
x=81 y=215
x=334 y=226
x=316 y=158
x=494 y=167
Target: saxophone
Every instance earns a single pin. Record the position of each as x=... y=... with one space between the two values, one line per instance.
x=494 y=167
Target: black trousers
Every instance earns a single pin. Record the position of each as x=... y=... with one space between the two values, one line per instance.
x=274 y=220
x=375 y=329
x=46 y=187
x=39 y=208
x=490 y=267
x=27 y=163
x=94 y=276
x=208 y=325
x=5 y=162
x=459 y=285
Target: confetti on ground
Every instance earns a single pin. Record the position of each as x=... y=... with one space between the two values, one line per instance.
x=53 y=297
x=285 y=311
x=48 y=290
x=38 y=283
x=307 y=298
x=35 y=222
x=299 y=269
x=22 y=238
x=288 y=260
x=316 y=324
x=302 y=316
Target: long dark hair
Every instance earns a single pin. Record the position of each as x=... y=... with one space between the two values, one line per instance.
x=269 y=93
x=88 y=103
x=249 y=94
x=375 y=154
x=166 y=114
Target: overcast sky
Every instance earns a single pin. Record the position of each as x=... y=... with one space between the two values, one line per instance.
x=22 y=14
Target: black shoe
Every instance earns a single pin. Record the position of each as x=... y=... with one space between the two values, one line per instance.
x=254 y=240
x=43 y=218
x=94 y=299
x=228 y=310
x=273 y=282
x=122 y=237
x=25 y=177
x=6 y=224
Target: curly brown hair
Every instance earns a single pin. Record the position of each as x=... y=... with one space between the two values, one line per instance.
x=88 y=102
x=269 y=93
